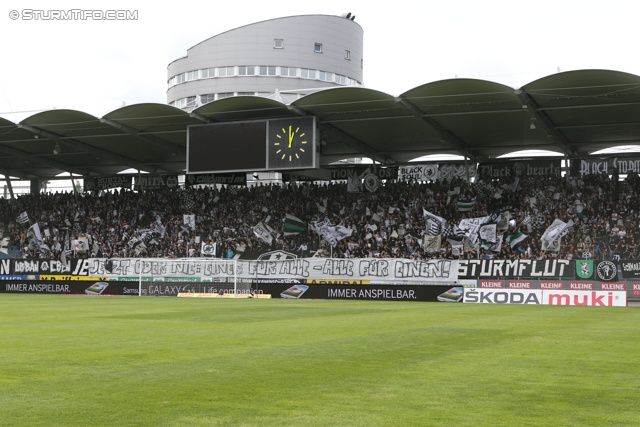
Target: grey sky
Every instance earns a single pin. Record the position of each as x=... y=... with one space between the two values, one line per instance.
x=97 y=65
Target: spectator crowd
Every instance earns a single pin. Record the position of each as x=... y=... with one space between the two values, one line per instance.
x=386 y=223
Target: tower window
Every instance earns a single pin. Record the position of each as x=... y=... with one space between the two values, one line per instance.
x=317 y=47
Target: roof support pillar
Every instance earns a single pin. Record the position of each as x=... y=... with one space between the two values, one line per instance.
x=7 y=178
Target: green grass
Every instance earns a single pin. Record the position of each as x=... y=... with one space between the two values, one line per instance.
x=129 y=361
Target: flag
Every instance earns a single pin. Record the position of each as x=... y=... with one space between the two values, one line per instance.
x=448 y=231
x=470 y=228
x=552 y=246
x=483 y=188
x=208 y=249
x=23 y=218
x=94 y=246
x=469 y=244
x=456 y=246
x=371 y=182
x=514 y=186
x=63 y=257
x=322 y=228
x=434 y=224
x=190 y=221
x=81 y=244
x=293 y=225
x=432 y=244
x=551 y=237
x=34 y=237
x=354 y=184
x=160 y=227
x=537 y=194
x=465 y=204
x=340 y=232
x=139 y=248
x=514 y=240
x=263 y=232
x=488 y=232
x=331 y=233
x=493 y=247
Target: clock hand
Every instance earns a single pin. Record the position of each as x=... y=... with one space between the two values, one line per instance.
x=290 y=137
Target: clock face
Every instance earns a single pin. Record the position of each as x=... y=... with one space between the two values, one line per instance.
x=291 y=143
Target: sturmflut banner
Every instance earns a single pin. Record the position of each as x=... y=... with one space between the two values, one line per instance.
x=523 y=268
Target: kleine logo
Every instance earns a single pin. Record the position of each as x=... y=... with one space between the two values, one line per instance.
x=515 y=284
x=490 y=283
x=551 y=285
x=581 y=286
x=613 y=286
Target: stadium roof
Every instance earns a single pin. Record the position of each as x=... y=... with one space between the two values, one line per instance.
x=573 y=113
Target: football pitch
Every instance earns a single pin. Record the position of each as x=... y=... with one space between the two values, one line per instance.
x=160 y=361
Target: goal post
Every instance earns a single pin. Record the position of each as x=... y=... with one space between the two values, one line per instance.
x=157 y=277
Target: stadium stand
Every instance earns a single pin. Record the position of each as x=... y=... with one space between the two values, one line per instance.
x=601 y=214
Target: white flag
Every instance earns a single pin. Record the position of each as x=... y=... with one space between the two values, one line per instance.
x=554 y=232
x=435 y=224
x=263 y=232
x=34 y=237
x=190 y=221
x=331 y=233
x=23 y=218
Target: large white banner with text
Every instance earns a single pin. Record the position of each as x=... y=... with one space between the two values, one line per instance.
x=379 y=270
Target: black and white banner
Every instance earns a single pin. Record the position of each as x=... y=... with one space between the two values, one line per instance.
x=522 y=268
x=379 y=270
x=276 y=265
x=630 y=269
x=449 y=171
x=107 y=182
x=624 y=165
x=156 y=182
x=529 y=168
x=239 y=178
x=339 y=174
x=424 y=172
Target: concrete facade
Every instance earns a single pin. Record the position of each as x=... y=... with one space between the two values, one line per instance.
x=283 y=59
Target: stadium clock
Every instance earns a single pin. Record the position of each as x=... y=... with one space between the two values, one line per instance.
x=291 y=143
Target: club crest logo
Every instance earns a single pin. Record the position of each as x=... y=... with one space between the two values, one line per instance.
x=584 y=268
x=607 y=270
x=277 y=256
